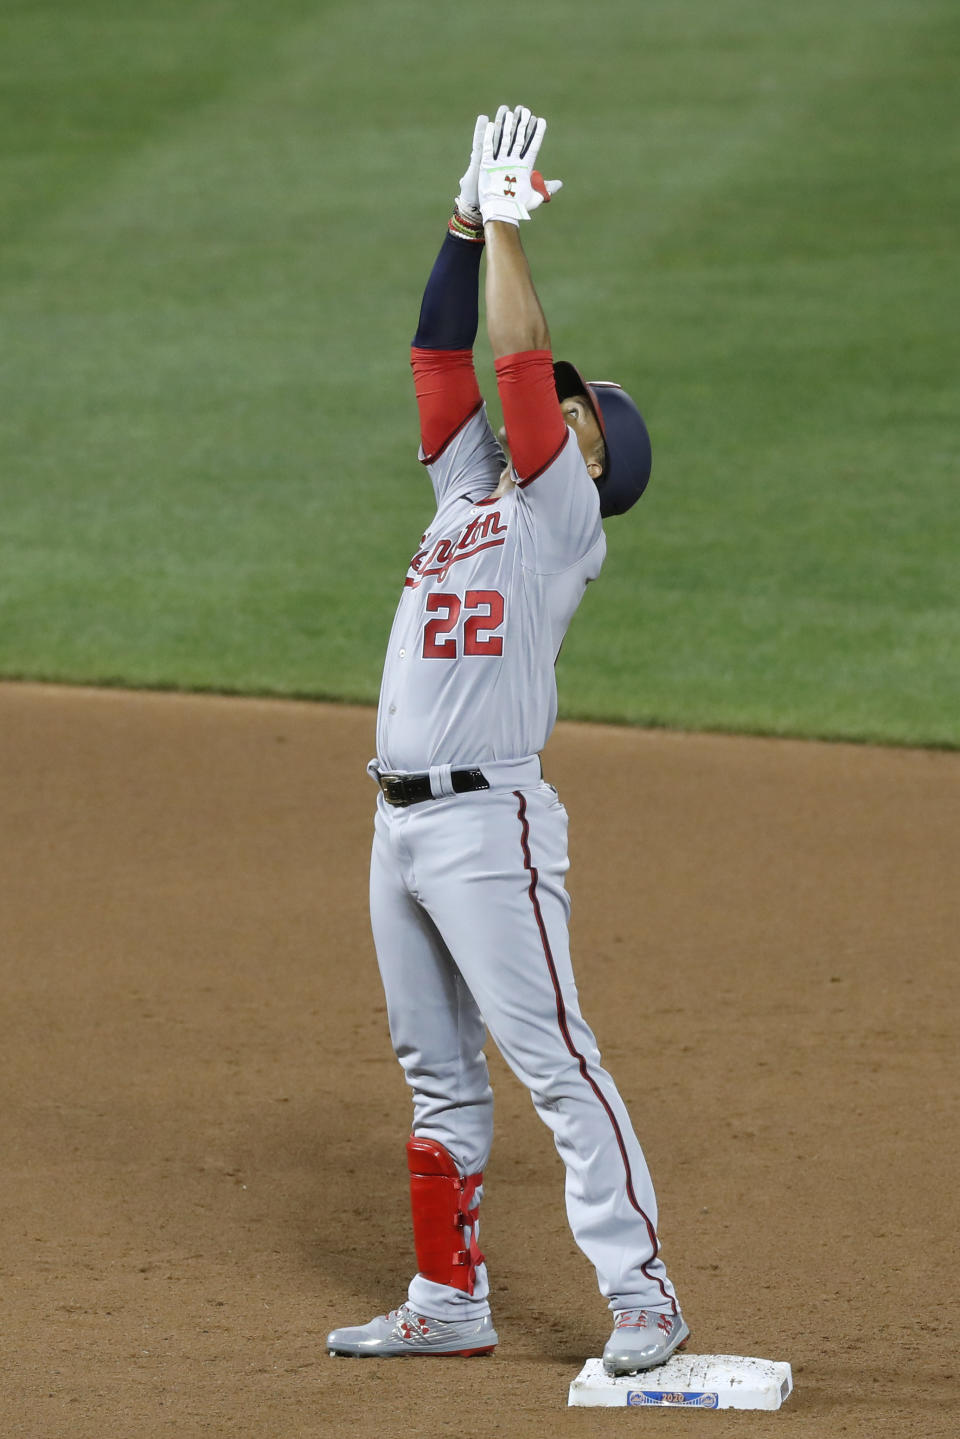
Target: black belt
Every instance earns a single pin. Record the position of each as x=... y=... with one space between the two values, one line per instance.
x=403 y=789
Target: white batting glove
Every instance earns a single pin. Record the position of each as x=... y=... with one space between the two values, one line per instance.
x=468 y=201
x=509 y=187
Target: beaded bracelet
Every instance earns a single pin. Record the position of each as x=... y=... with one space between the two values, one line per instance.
x=465 y=228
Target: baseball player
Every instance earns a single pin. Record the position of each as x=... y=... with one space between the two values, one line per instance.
x=468 y=905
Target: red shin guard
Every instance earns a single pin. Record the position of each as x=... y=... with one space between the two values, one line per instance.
x=440 y=1202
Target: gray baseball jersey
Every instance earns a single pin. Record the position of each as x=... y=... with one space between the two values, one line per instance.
x=469 y=671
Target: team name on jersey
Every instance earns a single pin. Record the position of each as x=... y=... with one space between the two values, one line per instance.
x=484 y=532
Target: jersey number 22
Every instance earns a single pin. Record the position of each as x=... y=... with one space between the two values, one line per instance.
x=483 y=613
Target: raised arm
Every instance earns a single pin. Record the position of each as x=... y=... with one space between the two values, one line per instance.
x=442 y=350
x=509 y=189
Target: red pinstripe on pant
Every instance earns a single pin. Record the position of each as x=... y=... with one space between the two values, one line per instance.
x=572 y=1049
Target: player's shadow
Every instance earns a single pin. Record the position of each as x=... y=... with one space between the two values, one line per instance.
x=343 y=1211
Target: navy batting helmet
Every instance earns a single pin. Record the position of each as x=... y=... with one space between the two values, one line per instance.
x=628 y=455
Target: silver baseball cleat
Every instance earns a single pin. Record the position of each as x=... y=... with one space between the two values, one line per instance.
x=403 y=1331
x=642 y=1339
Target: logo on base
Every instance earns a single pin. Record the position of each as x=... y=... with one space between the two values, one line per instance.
x=672 y=1399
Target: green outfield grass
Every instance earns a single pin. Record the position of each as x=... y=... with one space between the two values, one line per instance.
x=215 y=224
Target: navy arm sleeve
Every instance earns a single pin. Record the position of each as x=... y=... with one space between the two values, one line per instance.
x=450 y=312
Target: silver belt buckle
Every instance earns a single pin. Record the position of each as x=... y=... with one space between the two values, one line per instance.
x=392 y=789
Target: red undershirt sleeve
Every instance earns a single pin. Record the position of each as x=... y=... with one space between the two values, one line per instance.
x=534 y=422
x=447 y=395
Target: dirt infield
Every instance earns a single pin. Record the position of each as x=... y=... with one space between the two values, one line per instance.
x=203 y=1126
